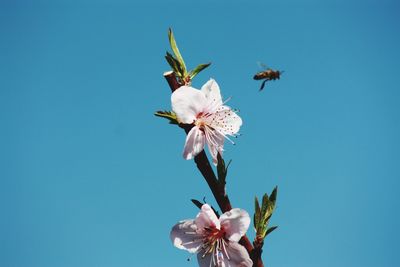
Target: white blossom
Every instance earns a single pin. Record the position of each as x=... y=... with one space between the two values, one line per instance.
x=215 y=240
x=213 y=121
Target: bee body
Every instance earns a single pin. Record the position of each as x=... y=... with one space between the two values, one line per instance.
x=267 y=75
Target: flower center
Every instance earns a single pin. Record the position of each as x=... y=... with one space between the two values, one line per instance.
x=213 y=234
x=200 y=122
x=215 y=244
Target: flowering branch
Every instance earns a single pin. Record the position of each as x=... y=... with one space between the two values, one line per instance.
x=208 y=122
x=204 y=166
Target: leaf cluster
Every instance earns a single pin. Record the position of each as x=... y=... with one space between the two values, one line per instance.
x=178 y=65
x=263 y=214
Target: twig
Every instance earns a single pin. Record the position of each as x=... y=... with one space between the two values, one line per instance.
x=171 y=79
x=204 y=166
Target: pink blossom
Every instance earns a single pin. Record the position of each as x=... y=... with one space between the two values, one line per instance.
x=213 y=121
x=215 y=240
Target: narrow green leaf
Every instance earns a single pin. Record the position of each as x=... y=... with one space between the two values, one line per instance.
x=176 y=65
x=265 y=205
x=174 y=48
x=222 y=169
x=173 y=63
x=273 y=195
x=197 y=70
x=257 y=213
x=170 y=115
x=270 y=230
x=227 y=167
x=197 y=203
x=220 y=166
x=266 y=218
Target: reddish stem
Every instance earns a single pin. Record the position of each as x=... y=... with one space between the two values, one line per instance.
x=218 y=190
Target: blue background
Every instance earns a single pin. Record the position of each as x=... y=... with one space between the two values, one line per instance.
x=90 y=177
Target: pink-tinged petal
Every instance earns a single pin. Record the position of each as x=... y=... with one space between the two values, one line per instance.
x=194 y=144
x=215 y=144
x=213 y=95
x=232 y=254
x=187 y=102
x=226 y=121
x=235 y=222
x=204 y=260
x=206 y=219
x=238 y=256
x=184 y=236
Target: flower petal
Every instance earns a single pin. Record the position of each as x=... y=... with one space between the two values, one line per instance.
x=225 y=120
x=184 y=236
x=238 y=256
x=187 y=102
x=231 y=255
x=194 y=144
x=215 y=142
x=206 y=219
x=213 y=95
x=235 y=222
x=204 y=260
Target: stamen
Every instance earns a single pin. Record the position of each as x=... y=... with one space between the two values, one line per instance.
x=192 y=242
x=224 y=249
x=190 y=233
x=228 y=99
x=226 y=137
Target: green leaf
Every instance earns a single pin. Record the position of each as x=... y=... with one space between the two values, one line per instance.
x=175 y=65
x=270 y=230
x=197 y=70
x=222 y=169
x=257 y=213
x=170 y=115
x=265 y=207
x=273 y=196
x=266 y=218
x=174 y=48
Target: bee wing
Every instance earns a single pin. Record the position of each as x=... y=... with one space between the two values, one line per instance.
x=262 y=65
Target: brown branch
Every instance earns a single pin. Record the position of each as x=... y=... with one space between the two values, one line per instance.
x=171 y=79
x=204 y=166
x=255 y=254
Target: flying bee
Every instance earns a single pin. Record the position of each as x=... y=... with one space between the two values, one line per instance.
x=267 y=75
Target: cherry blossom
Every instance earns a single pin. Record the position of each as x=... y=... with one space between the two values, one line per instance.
x=213 y=121
x=215 y=240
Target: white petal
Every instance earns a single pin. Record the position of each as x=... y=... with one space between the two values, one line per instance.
x=184 y=236
x=206 y=218
x=194 y=144
x=234 y=255
x=213 y=95
x=187 y=102
x=238 y=256
x=225 y=120
x=215 y=145
x=235 y=222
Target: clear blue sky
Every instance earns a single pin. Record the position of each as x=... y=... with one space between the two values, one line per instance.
x=90 y=178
